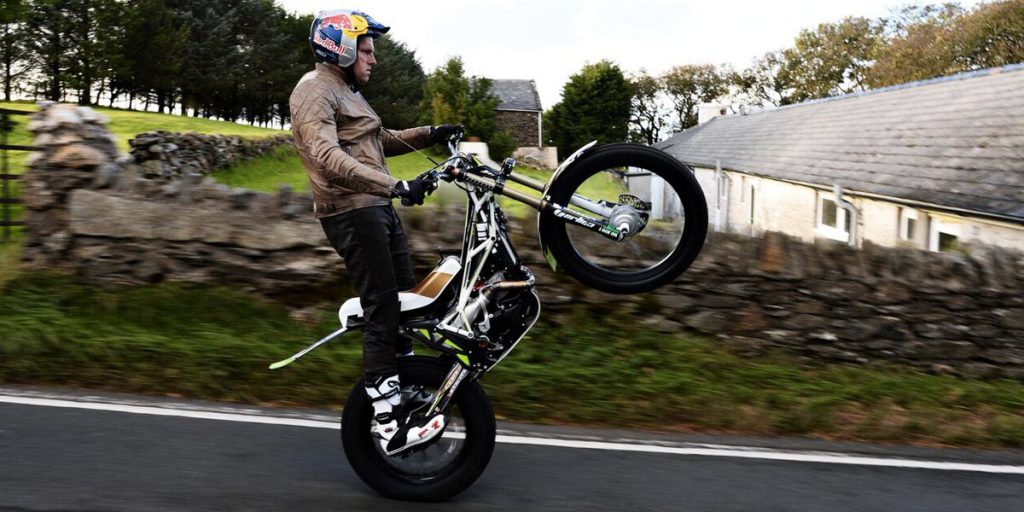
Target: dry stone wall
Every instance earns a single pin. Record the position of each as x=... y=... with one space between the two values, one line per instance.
x=89 y=210
x=165 y=155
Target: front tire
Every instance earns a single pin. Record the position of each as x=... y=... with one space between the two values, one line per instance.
x=653 y=257
x=439 y=469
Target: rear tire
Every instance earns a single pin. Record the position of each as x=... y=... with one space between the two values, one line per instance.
x=437 y=470
x=568 y=243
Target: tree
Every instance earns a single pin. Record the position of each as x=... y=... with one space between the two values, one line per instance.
x=833 y=59
x=211 y=53
x=48 y=23
x=154 y=51
x=445 y=94
x=14 y=56
x=647 y=117
x=920 y=44
x=596 y=104
x=451 y=97
x=396 y=89
x=765 y=83
x=84 y=45
x=992 y=35
x=689 y=86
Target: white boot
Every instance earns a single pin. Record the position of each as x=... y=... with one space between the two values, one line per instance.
x=413 y=434
x=385 y=395
x=389 y=414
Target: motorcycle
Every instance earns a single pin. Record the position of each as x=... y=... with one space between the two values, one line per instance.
x=474 y=309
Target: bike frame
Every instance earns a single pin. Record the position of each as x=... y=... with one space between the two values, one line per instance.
x=485 y=238
x=488 y=179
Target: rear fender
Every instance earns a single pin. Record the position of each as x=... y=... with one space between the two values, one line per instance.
x=563 y=166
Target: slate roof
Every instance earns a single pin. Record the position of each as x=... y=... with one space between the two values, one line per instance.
x=516 y=94
x=955 y=142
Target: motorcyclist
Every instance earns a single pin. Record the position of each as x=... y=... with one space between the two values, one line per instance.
x=343 y=146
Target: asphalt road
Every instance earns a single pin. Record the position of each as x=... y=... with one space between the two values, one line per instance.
x=74 y=459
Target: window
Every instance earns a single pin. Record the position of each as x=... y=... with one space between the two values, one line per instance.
x=947 y=242
x=908 y=225
x=943 y=234
x=751 y=205
x=833 y=221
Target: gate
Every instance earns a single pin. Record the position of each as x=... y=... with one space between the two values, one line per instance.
x=6 y=176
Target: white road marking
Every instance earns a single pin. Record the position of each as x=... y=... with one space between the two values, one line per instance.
x=744 y=452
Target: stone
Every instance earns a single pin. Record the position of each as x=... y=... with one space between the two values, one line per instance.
x=78 y=156
x=241 y=199
x=804 y=322
x=945 y=350
x=822 y=336
x=95 y=213
x=709 y=321
x=1012 y=318
x=941 y=369
x=809 y=307
x=1008 y=356
x=663 y=325
x=747 y=346
x=858 y=330
x=65 y=115
x=66 y=138
x=106 y=175
x=720 y=301
x=148 y=271
x=152 y=169
x=979 y=370
x=983 y=331
x=89 y=115
x=891 y=292
x=43 y=139
x=751 y=319
x=773 y=255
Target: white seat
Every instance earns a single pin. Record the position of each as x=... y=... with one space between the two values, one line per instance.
x=423 y=295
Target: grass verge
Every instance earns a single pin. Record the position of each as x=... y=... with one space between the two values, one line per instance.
x=215 y=343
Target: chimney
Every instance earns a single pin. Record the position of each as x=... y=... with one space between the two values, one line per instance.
x=709 y=111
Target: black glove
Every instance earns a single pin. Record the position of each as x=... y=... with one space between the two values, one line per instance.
x=446 y=132
x=413 y=191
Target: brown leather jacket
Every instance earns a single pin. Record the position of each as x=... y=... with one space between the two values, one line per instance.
x=343 y=145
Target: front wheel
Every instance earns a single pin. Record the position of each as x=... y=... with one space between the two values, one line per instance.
x=437 y=470
x=656 y=195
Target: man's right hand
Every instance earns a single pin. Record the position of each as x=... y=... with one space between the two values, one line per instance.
x=414 y=191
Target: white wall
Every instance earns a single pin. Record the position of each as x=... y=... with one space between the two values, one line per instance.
x=794 y=210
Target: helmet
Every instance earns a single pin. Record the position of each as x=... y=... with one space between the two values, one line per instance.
x=334 y=34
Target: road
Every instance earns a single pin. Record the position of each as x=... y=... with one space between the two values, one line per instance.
x=169 y=455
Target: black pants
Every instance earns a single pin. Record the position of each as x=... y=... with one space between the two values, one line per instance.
x=376 y=254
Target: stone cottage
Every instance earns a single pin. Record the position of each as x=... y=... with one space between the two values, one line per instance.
x=933 y=164
x=519 y=111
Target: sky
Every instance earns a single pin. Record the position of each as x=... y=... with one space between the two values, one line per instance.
x=549 y=40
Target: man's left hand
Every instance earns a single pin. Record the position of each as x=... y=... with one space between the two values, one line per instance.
x=446 y=132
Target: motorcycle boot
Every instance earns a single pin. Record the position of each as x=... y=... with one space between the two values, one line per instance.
x=395 y=419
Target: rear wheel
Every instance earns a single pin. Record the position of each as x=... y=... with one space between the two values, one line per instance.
x=437 y=470
x=638 y=182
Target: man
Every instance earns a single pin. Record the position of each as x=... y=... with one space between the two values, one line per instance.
x=343 y=147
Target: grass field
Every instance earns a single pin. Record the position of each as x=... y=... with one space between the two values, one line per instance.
x=216 y=343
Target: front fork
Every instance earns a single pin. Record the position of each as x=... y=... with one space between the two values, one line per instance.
x=447 y=390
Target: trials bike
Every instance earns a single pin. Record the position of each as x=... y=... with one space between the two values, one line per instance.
x=473 y=309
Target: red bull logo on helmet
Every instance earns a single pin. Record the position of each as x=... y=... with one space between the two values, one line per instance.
x=327 y=43
x=337 y=22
